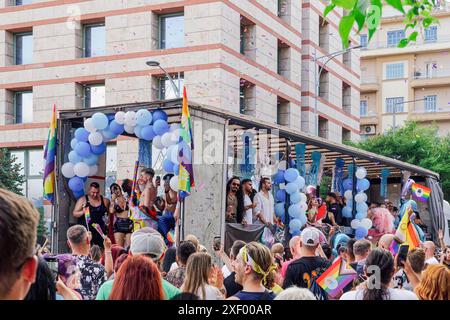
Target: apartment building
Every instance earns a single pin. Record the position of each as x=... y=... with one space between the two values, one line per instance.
x=411 y=83
x=249 y=56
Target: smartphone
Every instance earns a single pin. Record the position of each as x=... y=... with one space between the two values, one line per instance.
x=402 y=254
x=216 y=243
x=52 y=263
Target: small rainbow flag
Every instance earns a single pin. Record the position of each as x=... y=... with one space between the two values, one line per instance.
x=395 y=245
x=49 y=157
x=87 y=215
x=420 y=192
x=336 y=277
x=171 y=236
x=406 y=232
x=99 y=230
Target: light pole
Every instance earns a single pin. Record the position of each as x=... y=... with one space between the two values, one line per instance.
x=153 y=63
x=394 y=111
x=317 y=79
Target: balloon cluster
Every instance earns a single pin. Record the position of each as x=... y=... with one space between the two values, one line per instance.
x=290 y=182
x=89 y=142
x=360 y=223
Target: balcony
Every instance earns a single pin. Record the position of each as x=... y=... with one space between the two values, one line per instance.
x=435 y=78
x=422 y=115
x=370 y=118
x=369 y=84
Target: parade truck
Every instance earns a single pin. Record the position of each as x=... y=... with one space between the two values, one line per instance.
x=226 y=144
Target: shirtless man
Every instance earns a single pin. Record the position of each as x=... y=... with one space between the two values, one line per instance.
x=148 y=197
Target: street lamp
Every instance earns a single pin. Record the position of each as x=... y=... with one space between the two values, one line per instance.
x=317 y=78
x=394 y=111
x=153 y=63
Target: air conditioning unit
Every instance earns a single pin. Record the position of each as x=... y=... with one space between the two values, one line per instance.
x=369 y=130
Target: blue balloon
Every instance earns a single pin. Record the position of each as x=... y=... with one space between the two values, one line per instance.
x=280 y=195
x=292 y=163
x=91 y=160
x=116 y=128
x=160 y=127
x=296 y=233
x=362 y=207
x=84 y=179
x=279 y=209
x=100 y=121
x=143 y=117
x=279 y=177
x=360 y=215
x=83 y=149
x=347 y=184
x=291 y=187
x=176 y=169
x=295 y=225
x=362 y=185
x=168 y=166
x=137 y=131
x=76 y=184
x=100 y=149
x=78 y=194
x=291 y=174
x=73 y=143
x=347 y=212
x=302 y=217
x=108 y=134
x=81 y=134
x=159 y=115
x=147 y=133
x=74 y=157
x=361 y=233
x=294 y=211
x=295 y=197
x=183 y=194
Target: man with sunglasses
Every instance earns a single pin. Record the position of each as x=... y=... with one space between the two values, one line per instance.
x=18 y=263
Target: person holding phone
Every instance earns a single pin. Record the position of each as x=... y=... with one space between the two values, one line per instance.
x=122 y=224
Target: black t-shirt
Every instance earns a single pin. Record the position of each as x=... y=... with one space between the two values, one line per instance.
x=231 y=286
x=300 y=272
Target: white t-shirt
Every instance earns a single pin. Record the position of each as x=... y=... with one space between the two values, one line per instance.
x=395 y=294
x=431 y=260
x=212 y=293
x=174 y=266
x=249 y=212
x=265 y=206
x=226 y=272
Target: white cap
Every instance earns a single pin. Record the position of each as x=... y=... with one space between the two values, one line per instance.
x=147 y=241
x=310 y=236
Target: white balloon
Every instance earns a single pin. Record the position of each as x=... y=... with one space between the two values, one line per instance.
x=130 y=118
x=303 y=207
x=93 y=170
x=95 y=138
x=360 y=173
x=156 y=142
x=67 y=170
x=120 y=117
x=81 y=169
x=355 y=223
x=166 y=139
x=361 y=197
x=300 y=181
x=303 y=197
x=129 y=129
x=366 y=223
x=175 y=135
x=174 y=126
x=174 y=154
x=89 y=126
x=174 y=183
x=348 y=194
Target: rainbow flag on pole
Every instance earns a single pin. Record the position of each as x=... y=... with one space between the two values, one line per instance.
x=49 y=157
x=406 y=232
x=336 y=277
x=185 y=147
x=420 y=192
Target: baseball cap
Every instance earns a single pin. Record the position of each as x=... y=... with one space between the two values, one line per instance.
x=310 y=237
x=147 y=241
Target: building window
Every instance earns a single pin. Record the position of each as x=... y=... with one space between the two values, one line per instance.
x=430 y=103
x=346 y=135
x=395 y=71
x=111 y=168
x=431 y=68
x=323 y=128
x=171 y=31
x=94 y=95
x=323 y=34
x=323 y=84
x=283 y=59
x=283 y=115
x=165 y=87
x=23 y=48
x=346 y=97
x=32 y=163
x=363 y=108
x=247 y=38
x=431 y=34
x=22 y=2
x=94 y=40
x=394 y=37
x=363 y=40
x=246 y=97
x=396 y=103
x=23 y=107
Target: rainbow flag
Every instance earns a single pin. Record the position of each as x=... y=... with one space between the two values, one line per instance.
x=87 y=216
x=336 y=277
x=49 y=158
x=406 y=232
x=99 y=230
x=395 y=245
x=185 y=147
x=420 y=192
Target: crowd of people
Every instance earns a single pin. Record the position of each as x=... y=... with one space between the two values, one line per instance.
x=129 y=263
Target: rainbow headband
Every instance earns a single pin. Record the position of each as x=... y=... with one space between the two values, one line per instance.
x=255 y=267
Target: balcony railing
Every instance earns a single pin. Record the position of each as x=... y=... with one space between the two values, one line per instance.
x=368 y=79
x=420 y=41
x=434 y=73
x=369 y=114
x=432 y=111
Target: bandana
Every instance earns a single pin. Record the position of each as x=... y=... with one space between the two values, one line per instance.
x=255 y=267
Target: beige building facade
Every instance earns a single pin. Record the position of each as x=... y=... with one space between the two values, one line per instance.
x=248 y=56
x=411 y=83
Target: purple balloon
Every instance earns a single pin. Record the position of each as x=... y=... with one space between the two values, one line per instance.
x=100 y=149
x=83 y=149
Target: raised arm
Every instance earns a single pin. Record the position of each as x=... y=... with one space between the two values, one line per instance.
x=78 y=211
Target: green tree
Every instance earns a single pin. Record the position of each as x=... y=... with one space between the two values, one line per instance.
x=11 y=177
x=41 y=228
x=368 y=13
x=417 y=145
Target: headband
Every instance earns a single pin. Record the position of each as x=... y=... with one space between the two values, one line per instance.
x=255 y=267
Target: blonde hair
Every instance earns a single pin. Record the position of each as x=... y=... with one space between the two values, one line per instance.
x=435 y=283
x=277 y=248
x=198 y=269
x=262 y=257
x=194 y=240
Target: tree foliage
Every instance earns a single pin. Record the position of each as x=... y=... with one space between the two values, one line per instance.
x=417 y=145
x=11 y=177
x=368 y=13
